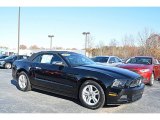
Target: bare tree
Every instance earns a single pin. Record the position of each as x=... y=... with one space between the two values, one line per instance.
x=23 y=47
x=90 y=45
x=101 y=48
x=59 y=48
x=147 y=42
x=128 y=46
x=142 y=38
x=113 y=44
x=3 y=47
x=34 y=47
x=128 y=40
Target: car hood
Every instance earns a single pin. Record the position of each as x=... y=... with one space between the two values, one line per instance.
x=133 y=66
x=111 y=71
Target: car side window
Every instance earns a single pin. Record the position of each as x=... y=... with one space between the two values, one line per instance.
x=117 y=59
x=156 y=61
x=56 y=58
x=20 y=57
x=112 y=60
x=24 y=57
x=47 y=59
x=37 y=59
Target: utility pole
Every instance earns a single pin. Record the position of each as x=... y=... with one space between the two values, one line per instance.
x=51 y=36
x=19 y=15
x=86 y=39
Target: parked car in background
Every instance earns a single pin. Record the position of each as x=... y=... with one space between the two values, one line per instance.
x=3 y=56
x=124 y=60
x=8 y=61
x=148 y=67
x=74 y=75
x=107 y=60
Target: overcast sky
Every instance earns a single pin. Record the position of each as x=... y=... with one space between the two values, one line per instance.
x=68 y=23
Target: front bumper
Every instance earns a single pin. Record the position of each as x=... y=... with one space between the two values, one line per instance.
x=127 y=95
x=146 y=77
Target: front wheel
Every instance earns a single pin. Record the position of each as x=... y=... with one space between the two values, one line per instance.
x=23 y=82
x=151 y=82
x=91 y=95
x=8 y=66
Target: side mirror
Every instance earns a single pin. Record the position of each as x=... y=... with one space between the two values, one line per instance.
x=58 y=63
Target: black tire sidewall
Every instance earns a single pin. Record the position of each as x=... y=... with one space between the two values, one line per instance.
x=102 y=95
x=28 y=86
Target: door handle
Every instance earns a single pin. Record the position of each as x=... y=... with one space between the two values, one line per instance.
x=38 y=68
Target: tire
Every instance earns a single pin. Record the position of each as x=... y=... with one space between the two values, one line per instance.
x=23 y=82
x=91 y=95
x=151 y=82
x=8 y=66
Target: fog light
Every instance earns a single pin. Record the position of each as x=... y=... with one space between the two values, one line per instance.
x=112 y=94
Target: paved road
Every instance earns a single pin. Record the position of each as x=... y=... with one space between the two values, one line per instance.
x=14 y=101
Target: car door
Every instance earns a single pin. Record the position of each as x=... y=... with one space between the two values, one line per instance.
x=51 y=72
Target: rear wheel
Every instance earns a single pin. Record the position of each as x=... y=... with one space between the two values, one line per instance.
x=23 y=82
x=151 y=82
x=8 y=66
x=91 y=95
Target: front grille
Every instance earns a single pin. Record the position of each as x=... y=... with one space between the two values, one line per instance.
x=136 y=83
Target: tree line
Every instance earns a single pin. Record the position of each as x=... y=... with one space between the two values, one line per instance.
x=146 y=43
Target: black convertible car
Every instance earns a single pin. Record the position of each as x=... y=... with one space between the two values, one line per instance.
x=77 y=76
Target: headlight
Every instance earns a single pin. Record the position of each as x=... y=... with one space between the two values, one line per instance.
x=119 y=83
x=136 y=82
x=144 y=70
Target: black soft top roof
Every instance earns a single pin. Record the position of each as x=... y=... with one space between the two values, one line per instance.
x=48 y=52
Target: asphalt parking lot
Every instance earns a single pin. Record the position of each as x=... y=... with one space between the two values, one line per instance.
x=14 y=101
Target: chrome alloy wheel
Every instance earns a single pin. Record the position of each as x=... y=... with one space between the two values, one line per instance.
x=8 y=66
x=22 y=81
x=90 y=95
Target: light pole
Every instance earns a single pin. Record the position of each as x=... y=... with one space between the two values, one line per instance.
x=86 y=34
x=19 y=15
x=51 y=36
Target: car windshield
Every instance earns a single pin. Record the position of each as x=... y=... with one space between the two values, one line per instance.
x=140 y=60
x=77 y=59
x=10 y=57
x=100 y=59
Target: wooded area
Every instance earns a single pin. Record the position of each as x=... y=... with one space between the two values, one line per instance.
x=146 y=43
